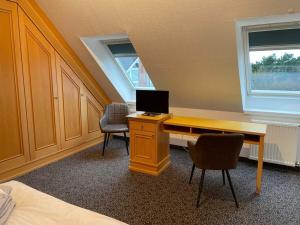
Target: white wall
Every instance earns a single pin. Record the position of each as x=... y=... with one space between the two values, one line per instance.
x=187 y=47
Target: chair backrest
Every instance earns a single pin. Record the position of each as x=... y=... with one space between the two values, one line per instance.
x=116 y=113
x=217 y=151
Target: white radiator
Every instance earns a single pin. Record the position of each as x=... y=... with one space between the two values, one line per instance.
x=281 y=145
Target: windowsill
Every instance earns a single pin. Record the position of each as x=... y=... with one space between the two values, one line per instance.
x=272 y=113
x=274 y=117
x=131 y=102
x=274 y=107
x=275 y=94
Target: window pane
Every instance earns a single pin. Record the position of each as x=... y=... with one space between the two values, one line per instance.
x=135 y=71
x=276 y=70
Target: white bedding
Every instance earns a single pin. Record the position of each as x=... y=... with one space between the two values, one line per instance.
x=36 y=208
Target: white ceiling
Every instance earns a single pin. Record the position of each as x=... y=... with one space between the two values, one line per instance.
x=187 y=46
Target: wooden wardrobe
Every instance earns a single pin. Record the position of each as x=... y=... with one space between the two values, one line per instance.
x=45 y=108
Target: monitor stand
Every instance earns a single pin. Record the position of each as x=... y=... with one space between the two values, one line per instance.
x=150 y=114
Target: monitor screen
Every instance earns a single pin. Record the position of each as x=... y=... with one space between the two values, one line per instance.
x=152 y=101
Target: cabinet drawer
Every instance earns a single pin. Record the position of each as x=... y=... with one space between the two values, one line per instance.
x=142 y=126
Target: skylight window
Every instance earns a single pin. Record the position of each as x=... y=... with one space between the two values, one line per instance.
x=131 y=65
x=269 y=64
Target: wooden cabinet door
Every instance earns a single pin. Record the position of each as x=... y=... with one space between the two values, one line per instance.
x=41 y=90
x=142 y=146
x=93 y=111
x=14 y=146
x=71 y=96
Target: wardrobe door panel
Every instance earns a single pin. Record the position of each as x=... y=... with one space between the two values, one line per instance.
x=14 y=146
x=41 y=90
x=70 y=100
x=94 y=111
x=72 y=107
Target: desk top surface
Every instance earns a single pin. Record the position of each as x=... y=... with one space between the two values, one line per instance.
x=224 y=125
x=139 y=116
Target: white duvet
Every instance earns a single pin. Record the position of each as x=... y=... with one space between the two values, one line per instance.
x=36 y=208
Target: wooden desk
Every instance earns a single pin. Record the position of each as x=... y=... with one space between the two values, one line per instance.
x=254 y=133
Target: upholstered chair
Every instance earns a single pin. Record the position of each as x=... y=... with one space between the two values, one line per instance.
x=114 y=120
x=216 y=152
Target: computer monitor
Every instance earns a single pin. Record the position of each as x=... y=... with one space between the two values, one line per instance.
x=152 y=102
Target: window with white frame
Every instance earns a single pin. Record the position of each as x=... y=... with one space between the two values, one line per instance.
x=272 y=59
x=268 y=50
x=130 y=65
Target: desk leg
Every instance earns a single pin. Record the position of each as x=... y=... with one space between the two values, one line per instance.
x=260 y=164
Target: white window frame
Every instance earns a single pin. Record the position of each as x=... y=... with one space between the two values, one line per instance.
x=248 y=69
x=121 y=68
x=263 y=103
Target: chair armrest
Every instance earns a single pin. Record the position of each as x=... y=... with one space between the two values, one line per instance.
x=103 y=121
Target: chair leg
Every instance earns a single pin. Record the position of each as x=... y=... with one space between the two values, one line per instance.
x=223 y=175
x=200 y=186
x=231 y=187
x=125 y=139
x=104 y=143
x=192 y=173
x=107 y=140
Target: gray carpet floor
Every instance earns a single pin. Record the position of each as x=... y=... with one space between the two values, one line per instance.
x=105 y=185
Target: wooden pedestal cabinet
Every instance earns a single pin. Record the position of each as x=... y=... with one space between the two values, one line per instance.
x=149 y=145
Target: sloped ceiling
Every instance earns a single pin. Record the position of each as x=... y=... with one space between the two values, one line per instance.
x=187 y=46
